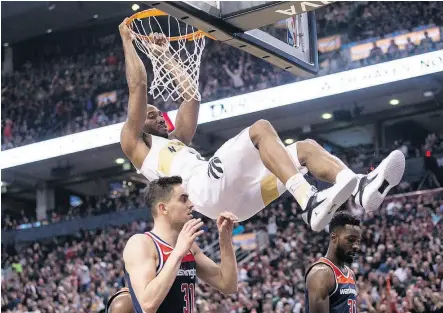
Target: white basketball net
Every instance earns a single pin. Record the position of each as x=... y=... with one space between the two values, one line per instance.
x=176 y=65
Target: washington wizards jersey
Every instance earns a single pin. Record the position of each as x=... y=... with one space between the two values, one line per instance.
x=180 y=297
x=344 y=297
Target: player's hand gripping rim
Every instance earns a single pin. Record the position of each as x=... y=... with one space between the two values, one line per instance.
x=159 y=44
x=125 y=32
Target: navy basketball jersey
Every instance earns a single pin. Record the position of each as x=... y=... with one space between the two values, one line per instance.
x=181 y=295
x=344 y=297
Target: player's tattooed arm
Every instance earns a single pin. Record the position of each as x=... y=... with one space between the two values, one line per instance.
x=320 y=283
x=137 y=83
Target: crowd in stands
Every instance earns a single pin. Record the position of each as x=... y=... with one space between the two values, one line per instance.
x=366 y=156
x=399 y=269
x=377 y=19
x=367 y=19
x=43 y=100
x=129 y=199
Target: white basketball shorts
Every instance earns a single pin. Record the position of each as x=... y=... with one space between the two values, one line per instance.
x=236 y=180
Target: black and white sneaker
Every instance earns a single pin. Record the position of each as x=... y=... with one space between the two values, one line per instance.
x=322 y=205
x=373 y=188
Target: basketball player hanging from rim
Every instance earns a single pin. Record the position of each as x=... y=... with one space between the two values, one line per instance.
x=250 y=170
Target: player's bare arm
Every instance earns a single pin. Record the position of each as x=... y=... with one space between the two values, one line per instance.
x=320 y=283
x=136 y=76
x=186 y=121
x=139 y=256
x=187 y=115
x=222 y=277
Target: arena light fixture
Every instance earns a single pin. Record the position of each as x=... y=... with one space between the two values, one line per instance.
x=326 y=116
x=428 y=94
x=120 y=161
x=289 y=141
x=6 y=44
x=135 y=7
x=95 y=16
x=49 y=30
x=394 y=102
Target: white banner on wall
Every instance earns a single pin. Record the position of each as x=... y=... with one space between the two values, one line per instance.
x=311 y=89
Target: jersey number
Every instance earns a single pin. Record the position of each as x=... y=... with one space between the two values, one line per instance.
x=352 y=306
x=188 y=290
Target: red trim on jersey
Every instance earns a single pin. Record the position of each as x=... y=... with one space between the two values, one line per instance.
x=166 y=249
x=188 y=258
x=339 y=276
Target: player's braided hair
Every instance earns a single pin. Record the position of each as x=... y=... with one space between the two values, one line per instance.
x=160 y=190
x=343 y=218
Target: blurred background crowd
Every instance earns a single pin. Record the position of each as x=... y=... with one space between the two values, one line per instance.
x=84 y=85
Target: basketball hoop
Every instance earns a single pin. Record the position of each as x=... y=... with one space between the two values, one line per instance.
x=176 y=64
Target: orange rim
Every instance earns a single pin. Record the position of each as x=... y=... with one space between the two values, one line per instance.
x=157 y=12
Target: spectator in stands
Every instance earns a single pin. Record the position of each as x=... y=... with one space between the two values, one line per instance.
x=427 y=40
x=410 y=46
x=375 y=51
x=236 y=75
x=393 y=50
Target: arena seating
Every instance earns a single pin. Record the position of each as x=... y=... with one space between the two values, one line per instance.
x=43 y=100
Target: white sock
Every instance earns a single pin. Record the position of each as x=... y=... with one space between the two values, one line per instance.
x=299 y=188
x=344 y=175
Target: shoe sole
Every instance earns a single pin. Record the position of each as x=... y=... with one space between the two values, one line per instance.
x=390 y=173
x=327 y=209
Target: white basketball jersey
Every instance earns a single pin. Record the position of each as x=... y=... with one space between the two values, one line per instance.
x=170 y=158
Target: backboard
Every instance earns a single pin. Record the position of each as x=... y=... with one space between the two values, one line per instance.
x=281 y=32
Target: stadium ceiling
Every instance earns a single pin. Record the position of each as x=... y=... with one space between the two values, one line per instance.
x=22 y=20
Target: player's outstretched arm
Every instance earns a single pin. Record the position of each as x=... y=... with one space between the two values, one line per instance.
x=137 y=80
x=222 y=277
x=187 y=115
x=320 y=283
